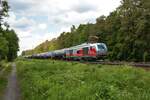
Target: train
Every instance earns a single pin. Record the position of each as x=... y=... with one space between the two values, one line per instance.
x=85 y=51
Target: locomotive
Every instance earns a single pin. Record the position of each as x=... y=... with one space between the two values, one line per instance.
x=85 y=51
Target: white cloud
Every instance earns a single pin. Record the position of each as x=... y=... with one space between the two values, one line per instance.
x=42 y=26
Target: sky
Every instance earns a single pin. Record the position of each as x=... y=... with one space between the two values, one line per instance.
x=36 y=21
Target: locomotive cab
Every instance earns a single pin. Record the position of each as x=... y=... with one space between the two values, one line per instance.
x=101 y=50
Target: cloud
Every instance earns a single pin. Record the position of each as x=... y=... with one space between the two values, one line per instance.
x=38 y=20
x=83 y=7
x=21 y=5
x=42 y=26
x=24 y=23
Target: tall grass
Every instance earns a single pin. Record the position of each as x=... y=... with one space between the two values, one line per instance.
x=59 y=80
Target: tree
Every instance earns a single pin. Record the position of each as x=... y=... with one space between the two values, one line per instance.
x=8 y=38
x=13 y=46
x=3 y=48
x=3 y=11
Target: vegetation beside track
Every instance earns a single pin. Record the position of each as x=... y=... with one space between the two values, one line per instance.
x=4 y=71
x=59 y=80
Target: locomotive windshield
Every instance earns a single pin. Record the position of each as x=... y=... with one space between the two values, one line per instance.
x=100 y=47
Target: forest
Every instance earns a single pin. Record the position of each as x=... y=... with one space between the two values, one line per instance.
x=8 y=38
x=125 y=31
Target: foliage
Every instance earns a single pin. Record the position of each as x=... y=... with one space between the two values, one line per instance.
x=4 y=11
x=13 y=46
x=8 y=38
x=59 y=80
x=3 y=48
x=146 y=56
x=125 y=31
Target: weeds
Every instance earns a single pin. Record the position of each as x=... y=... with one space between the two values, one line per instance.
x=45 y=80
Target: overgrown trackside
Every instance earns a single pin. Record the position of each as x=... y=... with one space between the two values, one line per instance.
x=58 y=80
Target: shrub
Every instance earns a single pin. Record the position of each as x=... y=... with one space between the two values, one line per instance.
x=146 y=57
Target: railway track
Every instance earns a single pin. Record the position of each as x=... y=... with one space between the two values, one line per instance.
x=134 y=64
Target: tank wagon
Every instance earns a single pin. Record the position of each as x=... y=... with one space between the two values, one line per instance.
x=85 y=51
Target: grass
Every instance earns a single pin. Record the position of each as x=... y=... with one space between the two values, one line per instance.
x=59 y=80
x=4 y=71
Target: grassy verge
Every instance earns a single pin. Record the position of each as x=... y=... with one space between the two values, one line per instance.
x=58 y=80
x=4 y=71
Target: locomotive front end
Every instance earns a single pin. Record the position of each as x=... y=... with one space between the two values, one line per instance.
x=101 y=51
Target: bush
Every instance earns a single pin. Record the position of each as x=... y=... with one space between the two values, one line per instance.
x=146 y=57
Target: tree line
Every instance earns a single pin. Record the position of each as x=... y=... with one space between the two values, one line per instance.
x=125 y=31
x=8 y=38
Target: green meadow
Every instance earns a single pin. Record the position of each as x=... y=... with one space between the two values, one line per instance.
x=60 y=80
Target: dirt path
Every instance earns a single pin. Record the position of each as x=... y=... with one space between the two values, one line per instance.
x=12 y=90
